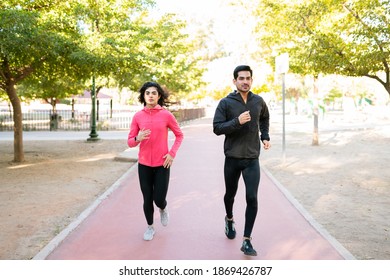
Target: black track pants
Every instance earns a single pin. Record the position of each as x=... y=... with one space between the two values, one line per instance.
x=250 y=170
x=154 y=186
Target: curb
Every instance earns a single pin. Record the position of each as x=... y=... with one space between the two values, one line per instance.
x=128 y=155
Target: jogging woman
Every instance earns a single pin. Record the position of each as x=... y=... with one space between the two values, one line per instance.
x=149 y=130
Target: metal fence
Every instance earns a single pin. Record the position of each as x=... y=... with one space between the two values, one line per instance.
x=81 y=120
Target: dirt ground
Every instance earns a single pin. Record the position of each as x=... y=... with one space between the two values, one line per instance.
x=343 y=183
x=57 y=182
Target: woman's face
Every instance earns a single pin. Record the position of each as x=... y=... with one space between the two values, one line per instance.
x=151 y=97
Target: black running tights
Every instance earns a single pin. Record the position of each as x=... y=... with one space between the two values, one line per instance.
x=154 y=186
x=250 y=170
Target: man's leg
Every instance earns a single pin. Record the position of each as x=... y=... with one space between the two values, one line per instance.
x=251 y=176
x=232 y=175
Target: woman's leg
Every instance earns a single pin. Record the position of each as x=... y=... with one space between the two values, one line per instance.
x=146 y=180
x=161 y=182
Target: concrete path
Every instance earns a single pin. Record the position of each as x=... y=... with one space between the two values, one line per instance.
x=112 y=228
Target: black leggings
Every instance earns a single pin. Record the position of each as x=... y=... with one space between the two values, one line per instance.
x=250 y=170
x=154 y=186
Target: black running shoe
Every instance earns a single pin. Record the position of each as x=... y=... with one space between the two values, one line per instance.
x=247 y=248
x=230 y=231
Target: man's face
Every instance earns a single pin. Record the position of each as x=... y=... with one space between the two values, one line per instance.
x=243 y=81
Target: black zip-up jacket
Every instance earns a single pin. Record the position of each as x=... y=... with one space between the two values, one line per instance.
x=242 y=141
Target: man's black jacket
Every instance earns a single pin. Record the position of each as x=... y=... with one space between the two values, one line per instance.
x=242 y=141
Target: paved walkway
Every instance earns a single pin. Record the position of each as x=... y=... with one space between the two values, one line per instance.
x=112 y=228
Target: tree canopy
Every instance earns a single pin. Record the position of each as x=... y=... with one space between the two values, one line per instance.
x=51 y=49
x=329 y=36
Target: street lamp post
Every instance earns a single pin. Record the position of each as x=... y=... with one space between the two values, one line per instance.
x=282 y=65
x=93 y=136
x=284 y=116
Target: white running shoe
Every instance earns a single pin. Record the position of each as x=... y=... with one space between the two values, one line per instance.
x=149 y=233
x=164 y=216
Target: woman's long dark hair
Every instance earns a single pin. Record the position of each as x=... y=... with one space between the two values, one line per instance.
x=163 y=101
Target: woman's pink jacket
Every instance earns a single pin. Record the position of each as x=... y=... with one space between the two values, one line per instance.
x=158 y=120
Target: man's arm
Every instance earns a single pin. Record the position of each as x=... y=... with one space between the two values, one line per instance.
x=264 y=123
x=221 y=125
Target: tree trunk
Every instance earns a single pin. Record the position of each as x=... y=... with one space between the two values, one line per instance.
x=388 y=90
x=18 y=122
x=315 y=141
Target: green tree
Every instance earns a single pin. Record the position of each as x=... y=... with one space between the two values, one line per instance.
x=62 y=45
x=350 y=38
x=328 y=37
x=28 y=47
x=164 y=54
x=332 y=97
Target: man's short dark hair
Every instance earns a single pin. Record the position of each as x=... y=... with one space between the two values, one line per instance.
x=241 y=68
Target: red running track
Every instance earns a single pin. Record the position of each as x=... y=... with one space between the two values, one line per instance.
x=113 y=228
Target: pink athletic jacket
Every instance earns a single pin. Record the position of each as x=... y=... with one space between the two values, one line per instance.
x=153 y=150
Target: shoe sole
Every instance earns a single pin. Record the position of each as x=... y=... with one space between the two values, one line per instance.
x=249 y=254
x=148 y=239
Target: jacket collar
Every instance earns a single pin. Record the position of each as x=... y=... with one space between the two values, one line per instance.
x=236 y=95
x=155 y=109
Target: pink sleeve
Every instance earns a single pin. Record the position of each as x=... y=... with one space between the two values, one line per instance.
x=174 y=126
x=134 y=129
